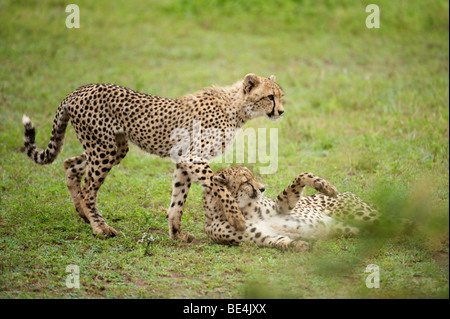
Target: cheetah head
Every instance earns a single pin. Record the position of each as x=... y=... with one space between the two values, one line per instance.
x=262 y=97
x=241 y=183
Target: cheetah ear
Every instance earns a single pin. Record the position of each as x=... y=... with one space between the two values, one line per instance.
x=250 y=81
x=220 y=179
x=272 y=78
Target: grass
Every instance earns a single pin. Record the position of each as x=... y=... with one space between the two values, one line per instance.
x=367 y=109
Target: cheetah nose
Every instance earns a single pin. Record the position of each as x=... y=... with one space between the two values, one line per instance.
x=280 y=112
x=262 y=189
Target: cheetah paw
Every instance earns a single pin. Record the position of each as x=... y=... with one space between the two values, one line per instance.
x=105 y=230
x=238 y=222
x=329 y=190
x=184 y=236
x=299 y=246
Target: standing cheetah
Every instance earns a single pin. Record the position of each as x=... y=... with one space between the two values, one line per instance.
x=285 y=222
x=106 y=116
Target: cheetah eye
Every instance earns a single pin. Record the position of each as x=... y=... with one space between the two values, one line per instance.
x=271 y=97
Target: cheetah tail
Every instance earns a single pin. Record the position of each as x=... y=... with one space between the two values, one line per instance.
x=48 y=155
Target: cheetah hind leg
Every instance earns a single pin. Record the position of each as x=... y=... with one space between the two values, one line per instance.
x=75 y=168
x=98 y=165
x=95 y=177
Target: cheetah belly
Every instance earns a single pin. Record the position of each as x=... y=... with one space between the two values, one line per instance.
x=307 y=224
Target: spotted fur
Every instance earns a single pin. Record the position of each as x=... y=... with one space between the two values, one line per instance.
x=289 y=220
x=106 y=117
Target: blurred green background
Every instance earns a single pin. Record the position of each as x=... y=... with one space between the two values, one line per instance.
x=367 y=109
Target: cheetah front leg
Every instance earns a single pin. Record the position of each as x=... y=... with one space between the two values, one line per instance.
x=180 y=188
x=288 y=198
x=186 y=172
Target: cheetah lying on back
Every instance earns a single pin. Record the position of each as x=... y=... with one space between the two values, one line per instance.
x=286 y=222
x=106 y=116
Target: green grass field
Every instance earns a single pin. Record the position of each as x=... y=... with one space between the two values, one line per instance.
x=367 y=109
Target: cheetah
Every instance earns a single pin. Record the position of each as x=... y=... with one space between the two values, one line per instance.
x=289 y=220
x=106 y=117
